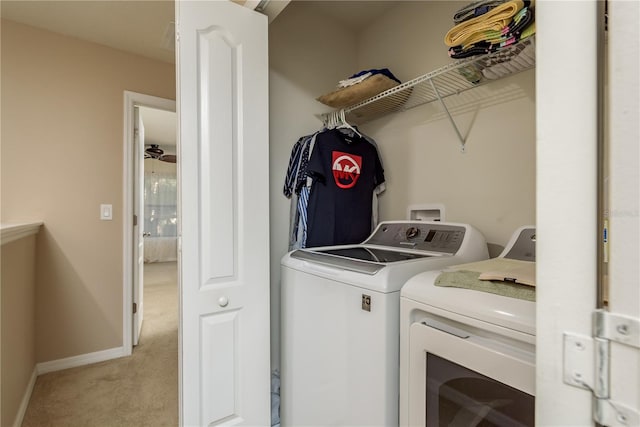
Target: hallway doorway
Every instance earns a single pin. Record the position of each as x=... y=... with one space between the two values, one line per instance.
x=158 y=208
x=150 y=226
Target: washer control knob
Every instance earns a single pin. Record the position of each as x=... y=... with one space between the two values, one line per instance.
x=412 y=232
x=223 y=301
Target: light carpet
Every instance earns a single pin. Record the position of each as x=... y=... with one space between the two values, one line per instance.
x=138 y=390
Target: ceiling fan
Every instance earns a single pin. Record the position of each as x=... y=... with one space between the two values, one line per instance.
x=155 y=152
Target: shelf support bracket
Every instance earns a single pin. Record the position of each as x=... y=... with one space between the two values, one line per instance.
x=446 y=110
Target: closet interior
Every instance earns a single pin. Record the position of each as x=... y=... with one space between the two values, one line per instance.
x=445 y=137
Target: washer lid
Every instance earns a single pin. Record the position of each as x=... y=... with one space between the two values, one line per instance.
x=360 y=259
x=340 y=262
x=372 y=254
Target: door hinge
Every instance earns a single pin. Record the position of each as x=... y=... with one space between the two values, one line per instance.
x=587 y=362
x=135 y=308
x=135 y=220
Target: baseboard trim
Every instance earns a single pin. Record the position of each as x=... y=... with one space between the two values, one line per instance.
x=81 y=360
x=22 y=410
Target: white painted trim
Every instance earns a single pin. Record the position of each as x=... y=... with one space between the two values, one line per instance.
x=624 y=195
x=22 y=409
x=15 y=231
x=81 y=360
x=566 y=199
x=131 y=100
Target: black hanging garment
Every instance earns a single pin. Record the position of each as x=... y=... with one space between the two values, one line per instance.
x=345 y=171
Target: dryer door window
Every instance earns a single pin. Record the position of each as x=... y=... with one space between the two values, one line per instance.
x=458 y=396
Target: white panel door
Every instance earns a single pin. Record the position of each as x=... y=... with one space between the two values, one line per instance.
x=224 y=205
x=138 y=228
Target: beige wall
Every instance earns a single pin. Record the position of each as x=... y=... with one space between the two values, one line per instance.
x=492 y=184
x=62 y=136
x=408 y=38
x=18 y=324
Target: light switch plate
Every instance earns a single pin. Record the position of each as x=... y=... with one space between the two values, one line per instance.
x=106 y=212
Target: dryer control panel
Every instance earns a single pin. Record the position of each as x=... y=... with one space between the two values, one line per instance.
x=522 y=245
x=419 y=235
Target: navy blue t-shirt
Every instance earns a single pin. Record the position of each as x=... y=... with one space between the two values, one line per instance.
x=345 y=171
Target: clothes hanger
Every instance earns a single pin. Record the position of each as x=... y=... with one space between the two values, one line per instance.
x=335 y=119
x=330 y=120
x=343 y=124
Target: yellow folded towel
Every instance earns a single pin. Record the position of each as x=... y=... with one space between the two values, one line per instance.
x=496 y=19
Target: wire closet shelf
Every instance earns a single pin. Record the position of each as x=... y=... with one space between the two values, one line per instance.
x=433 y=86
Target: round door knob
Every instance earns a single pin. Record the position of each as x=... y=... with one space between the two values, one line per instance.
x=223 y=301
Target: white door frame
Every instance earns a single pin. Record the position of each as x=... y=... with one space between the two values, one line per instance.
x=624 y=208
x=132 y=100
x=566 y=216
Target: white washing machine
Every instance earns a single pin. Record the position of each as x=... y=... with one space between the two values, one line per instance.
x=468 y=356
x=340 y=320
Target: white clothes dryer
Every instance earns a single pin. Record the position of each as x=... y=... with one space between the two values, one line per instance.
x=468 y=356
x=340 y=320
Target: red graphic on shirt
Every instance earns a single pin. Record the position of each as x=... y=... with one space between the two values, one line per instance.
x=346 y=169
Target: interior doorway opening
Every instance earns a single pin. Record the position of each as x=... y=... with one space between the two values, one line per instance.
x=150 y=166
x=156 y=298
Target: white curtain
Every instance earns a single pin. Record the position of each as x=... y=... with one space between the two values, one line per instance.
x=160 y=213
x=160 y=204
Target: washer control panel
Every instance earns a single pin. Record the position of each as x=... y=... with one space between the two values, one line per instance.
x=418 y=235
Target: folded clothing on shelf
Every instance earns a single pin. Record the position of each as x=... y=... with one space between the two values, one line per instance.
x=474 y=9
x=503 y=63
x=374 y=71
x=502 y=26
x=468 y=32
x=360 y=86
